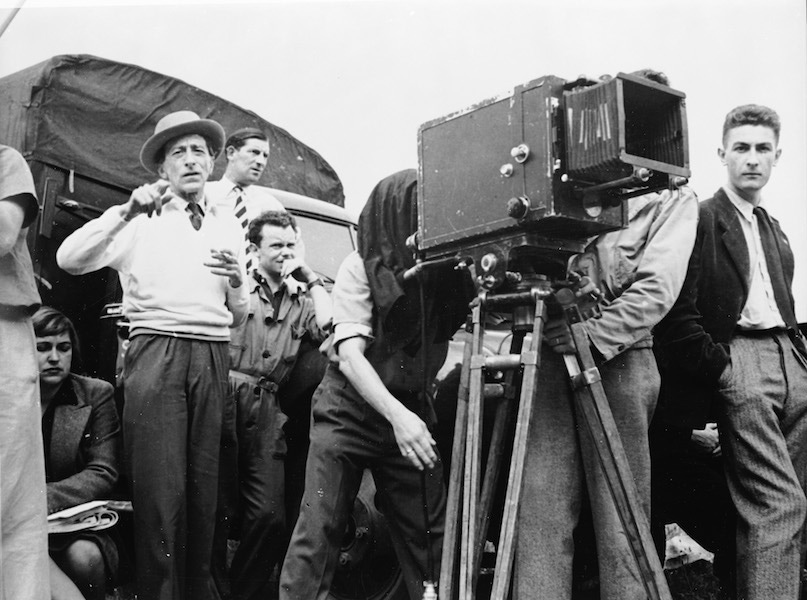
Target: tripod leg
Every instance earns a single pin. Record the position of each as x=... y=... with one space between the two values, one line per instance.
x=502 y=424
x=506 y=551
x=473 y=450
x=593 y=410
x=454 y=500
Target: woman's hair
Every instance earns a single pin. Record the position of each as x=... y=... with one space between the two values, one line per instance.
x=49 y=321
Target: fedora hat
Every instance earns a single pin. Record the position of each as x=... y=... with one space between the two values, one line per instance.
x=174 y=125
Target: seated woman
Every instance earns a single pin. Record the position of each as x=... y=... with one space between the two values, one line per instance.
x=81 y=435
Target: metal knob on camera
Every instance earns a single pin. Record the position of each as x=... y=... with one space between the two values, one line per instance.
x=518 y=207
x=520 y=153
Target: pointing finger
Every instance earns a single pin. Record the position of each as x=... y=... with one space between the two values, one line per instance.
x=160 y=186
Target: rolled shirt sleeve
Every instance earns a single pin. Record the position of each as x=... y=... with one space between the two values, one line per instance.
x=352 y=302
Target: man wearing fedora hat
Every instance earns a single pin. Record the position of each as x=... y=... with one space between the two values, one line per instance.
x=181 y=269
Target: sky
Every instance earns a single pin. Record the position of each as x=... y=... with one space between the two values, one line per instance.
x=355 y=79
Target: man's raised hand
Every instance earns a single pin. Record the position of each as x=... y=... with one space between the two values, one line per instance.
x=149 y=198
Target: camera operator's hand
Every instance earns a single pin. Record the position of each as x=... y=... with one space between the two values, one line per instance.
x=586 y=287
x=414 y=439
x=559 y=336
x=148 y=198
x=707 y=440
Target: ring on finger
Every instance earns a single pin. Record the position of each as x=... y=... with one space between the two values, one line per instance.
x=410 y=451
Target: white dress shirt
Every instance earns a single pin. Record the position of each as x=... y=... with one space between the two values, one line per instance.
x=760 y=310
x=257 y=199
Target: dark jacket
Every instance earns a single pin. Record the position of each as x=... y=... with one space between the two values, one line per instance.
x=84 y=445
x=691 y=342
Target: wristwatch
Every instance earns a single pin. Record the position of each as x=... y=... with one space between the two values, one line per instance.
x=316 y=282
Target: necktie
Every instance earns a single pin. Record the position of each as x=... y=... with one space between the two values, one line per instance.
x=195 y=214
x=770 y=246
x=240 y=209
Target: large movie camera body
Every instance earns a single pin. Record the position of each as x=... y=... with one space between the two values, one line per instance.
x=512 y=188
x=517 y=184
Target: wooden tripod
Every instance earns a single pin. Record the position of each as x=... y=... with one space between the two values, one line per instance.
x=470 y=497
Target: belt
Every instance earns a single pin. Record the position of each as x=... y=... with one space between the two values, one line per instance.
x=792 y=333
x=260 y=383
x=16 y=313
x=759 y=332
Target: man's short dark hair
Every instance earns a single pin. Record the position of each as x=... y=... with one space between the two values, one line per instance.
x=752 y=114
x=278 y=218
x=239 y=137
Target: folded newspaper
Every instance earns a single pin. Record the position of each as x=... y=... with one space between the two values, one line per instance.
x=94 y=516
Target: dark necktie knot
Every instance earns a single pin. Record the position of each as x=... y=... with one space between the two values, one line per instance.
x=195 y=214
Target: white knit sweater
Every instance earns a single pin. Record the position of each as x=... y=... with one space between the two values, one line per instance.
x=160 y=260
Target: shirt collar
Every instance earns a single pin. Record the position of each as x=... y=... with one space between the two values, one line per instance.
x=294 y=287
x=746 y=208
x=231 y=185
x=182 y=204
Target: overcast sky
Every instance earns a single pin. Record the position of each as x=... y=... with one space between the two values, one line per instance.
x=354 y=80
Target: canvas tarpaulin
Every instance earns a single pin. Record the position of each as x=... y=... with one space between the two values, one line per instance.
x=91 y=116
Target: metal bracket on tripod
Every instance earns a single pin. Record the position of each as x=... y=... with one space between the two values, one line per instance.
x=468 y=508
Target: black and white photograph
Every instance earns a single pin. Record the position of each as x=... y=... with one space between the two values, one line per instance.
x=403 y=299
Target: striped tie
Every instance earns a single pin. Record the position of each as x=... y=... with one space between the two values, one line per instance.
x=241 y=214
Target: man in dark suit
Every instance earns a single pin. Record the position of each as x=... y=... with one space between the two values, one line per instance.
x=732 y=339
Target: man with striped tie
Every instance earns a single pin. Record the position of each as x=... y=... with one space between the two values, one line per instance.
x=247 y=153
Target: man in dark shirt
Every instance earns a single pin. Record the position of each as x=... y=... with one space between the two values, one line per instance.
x=287 y=302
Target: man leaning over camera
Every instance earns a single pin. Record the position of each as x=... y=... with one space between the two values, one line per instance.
x=640 y=271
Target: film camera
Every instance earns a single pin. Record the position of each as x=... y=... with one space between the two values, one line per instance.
x=513 y=187
x=517 y=183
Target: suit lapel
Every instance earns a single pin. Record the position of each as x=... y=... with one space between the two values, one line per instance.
x=733 y=238
x=69 y=423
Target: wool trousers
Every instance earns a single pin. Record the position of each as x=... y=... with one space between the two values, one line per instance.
x=762 y=416
x=561 y=465
x=347 y=437
x=172 y=417
x=259 y=486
